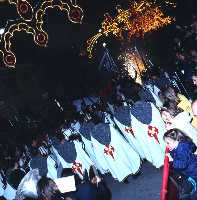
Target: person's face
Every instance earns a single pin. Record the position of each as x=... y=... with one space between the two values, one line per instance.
x=170 y=143
x=167 y=118
x=194 y=79
x=50 y=190
x=194 y=110
x=171 y=94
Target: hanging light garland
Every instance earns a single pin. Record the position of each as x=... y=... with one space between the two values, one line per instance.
x=31 y=22
x=141 y=17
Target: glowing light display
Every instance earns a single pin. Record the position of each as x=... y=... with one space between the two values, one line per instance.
x=133 y=63
x=31 y=22
x=140 y=18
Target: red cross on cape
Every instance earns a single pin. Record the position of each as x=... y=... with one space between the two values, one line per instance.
x=153 y=132
x=77 y=168
x=129 y=130
x=109 y=150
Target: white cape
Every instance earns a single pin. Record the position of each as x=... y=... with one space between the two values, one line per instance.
x=82 y=161
x=123 y=160
x=150 y=137
x=183 y=122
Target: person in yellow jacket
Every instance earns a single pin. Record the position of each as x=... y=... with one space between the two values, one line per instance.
x=181 y=101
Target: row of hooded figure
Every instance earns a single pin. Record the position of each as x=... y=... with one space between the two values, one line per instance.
x=114 y=138
x=115 y=144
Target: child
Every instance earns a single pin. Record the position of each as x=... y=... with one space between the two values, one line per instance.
x=184 y=161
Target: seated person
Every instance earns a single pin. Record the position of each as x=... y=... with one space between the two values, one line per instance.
x=177 y=118
x=181 y=102
x=184 y=162
x=47 y=190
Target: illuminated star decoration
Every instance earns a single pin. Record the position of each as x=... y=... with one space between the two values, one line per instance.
x=31 y=21
x=140 y=18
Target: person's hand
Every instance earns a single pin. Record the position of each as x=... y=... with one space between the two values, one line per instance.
x=169 y=156
x=96 y=180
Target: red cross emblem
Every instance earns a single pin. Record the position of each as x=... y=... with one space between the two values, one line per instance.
x=109 y=150
x=153 y=132
x=129 y=130
x=77 y=168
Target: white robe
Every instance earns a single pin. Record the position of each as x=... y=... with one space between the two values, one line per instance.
x=155 y=93
x=9 y=192
x=131 y=138
x=151 y=143
x=28 y=185
x=183 y=122
x=122 y=162
x=81 y=163
x=90 y=151
x=1 y=186
x=52 y=170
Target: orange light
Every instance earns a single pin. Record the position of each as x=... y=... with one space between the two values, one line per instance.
x=140 y=18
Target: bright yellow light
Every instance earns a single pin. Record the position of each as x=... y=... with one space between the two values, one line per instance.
x=140 y=18
x=133 y=63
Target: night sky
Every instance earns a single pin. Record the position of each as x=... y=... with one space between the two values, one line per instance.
x=58 y=68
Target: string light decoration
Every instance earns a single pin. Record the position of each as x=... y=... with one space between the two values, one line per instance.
x=141 y=17
x=31 y=21
x=133 y=63
x=24 y=9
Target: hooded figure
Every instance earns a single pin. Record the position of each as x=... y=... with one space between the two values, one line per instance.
x=150 y=93
x=85 y=132
x=45 y=164
x=6 y=190
x=71 y=155
x=148 y=127
x=113 y=152
x=122 y=118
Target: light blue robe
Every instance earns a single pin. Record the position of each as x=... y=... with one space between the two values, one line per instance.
x=82 y=159
x=122 y=162
x=149 y=132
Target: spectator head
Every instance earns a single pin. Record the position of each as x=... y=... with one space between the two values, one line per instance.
x=194 y=108
x=173 y=137
x=170 y=94
x=194 y=77
x=168 y=113
x=60 y=136
x=46 y=188
x=166 y=116
x=34 y=151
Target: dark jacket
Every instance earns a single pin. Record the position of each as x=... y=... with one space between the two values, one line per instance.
x=184 y=159
x=88 y=191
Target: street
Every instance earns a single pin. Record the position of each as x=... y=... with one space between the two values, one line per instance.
x=145 y=187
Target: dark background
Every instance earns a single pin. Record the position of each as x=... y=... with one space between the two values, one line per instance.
x=58 y=71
